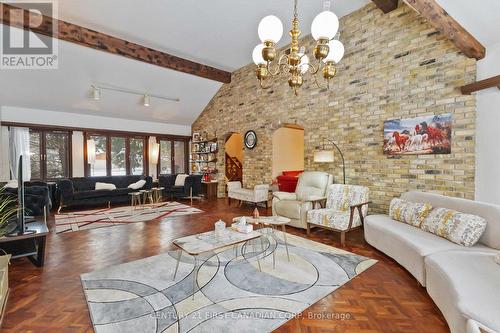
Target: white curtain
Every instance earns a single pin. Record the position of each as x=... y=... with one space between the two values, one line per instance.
x=19 y=142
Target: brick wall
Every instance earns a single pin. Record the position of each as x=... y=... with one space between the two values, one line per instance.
x=396 y=66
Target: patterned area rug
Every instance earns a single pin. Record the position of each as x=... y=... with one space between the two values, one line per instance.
x=231 y=293
x=106 y=217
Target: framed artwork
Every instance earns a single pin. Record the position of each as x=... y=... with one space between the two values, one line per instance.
x=421 y=135
x=196 y=137
x=250 y=139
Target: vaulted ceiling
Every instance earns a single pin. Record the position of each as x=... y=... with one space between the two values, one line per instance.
x=219 y=33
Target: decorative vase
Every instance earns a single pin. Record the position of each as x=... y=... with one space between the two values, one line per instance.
x=256 y=213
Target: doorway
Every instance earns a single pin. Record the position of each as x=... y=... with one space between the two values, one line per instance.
x=288 y=149
x=234 y=157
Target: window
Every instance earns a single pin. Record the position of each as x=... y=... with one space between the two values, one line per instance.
x=99 y=167
x=50 y=154
x=165 y=165
x=173 y=156
x=117 y=155
x=137 y=156
x=179 y=157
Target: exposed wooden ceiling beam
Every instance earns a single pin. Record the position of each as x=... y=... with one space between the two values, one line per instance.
x=386 y=5
x=99 y=41
x=481 y=85
x=450 y=28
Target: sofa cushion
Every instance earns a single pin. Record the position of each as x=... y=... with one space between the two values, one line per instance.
x=406 y=244
x=104 y=186
x=137 y=185
x=412 y=213
x=465 y=284
x=332 y=218
x=460 y=228
x=180 y=179
x=288 y=208
x=490 y=212
x=243 y=194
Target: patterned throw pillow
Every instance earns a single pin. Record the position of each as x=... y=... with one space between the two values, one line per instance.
x=460 y=228
x=412 y=213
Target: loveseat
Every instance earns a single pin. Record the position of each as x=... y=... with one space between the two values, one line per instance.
x=191 y=186
x=464 y=282
x=37 y=199
x=80 y=191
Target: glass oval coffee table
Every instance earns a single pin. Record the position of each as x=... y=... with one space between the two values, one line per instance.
x=273 y=222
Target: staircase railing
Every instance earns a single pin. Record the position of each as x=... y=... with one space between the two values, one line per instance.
x=234 y=169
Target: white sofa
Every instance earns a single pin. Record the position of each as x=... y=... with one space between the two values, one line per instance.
x=259 y=193
x=464 y=282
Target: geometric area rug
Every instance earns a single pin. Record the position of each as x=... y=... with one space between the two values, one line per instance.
x=106 y=217
x=231 y=294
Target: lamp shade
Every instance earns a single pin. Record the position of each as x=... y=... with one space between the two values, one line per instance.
x=154 y=150
x=325 y=25
x=270 y=29
x=90 y=151
x=323 y=156
x=257 y=55
x=336 y=52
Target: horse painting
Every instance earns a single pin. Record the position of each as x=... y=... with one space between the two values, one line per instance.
x=421 y=135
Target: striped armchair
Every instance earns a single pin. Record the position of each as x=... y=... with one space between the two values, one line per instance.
x=346 y=207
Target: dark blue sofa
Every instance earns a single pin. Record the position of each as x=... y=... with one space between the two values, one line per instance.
x=81 y=191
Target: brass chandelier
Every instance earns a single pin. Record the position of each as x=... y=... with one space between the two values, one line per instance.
x=294 y=63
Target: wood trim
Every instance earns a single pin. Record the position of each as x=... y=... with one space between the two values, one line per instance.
x=95 y=130
x=481 y=85
x=386 y=5
x=96 y=40
x=449 y=27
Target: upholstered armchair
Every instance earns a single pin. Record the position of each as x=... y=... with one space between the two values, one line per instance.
x=260 y=193
x=346 y=207
x=311 y=186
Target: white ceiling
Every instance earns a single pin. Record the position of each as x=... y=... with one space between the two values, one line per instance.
x=220 y=33
x=480 y=17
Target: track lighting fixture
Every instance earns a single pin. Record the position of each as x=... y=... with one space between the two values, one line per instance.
x=96 y=93
x=146 y=98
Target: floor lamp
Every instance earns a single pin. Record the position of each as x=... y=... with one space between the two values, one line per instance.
x=326 y=156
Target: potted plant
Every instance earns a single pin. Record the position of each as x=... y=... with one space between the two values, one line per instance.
x=8 y=210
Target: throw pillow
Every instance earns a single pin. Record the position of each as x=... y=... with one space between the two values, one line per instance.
x=180 y=179
x=137 y=185
x=11 y=184
x=104 y=186
x=460 y=228
x=412 y=213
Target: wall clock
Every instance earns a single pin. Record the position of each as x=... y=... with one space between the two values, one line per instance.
x=250 y=139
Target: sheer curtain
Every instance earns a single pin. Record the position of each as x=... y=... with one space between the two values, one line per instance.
x=19 y=142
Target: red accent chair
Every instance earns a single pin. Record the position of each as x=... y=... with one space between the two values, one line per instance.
x=287 y=182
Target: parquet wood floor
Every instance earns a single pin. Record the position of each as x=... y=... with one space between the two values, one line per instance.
x=386 y=298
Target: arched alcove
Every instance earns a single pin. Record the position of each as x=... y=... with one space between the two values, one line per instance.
x=288 y=149
x=234 y=157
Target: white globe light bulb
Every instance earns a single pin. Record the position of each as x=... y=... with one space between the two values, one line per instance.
x=336 y=52
x=270 y=29
x=325 y=25
x=257 y=55
x=304 y=61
